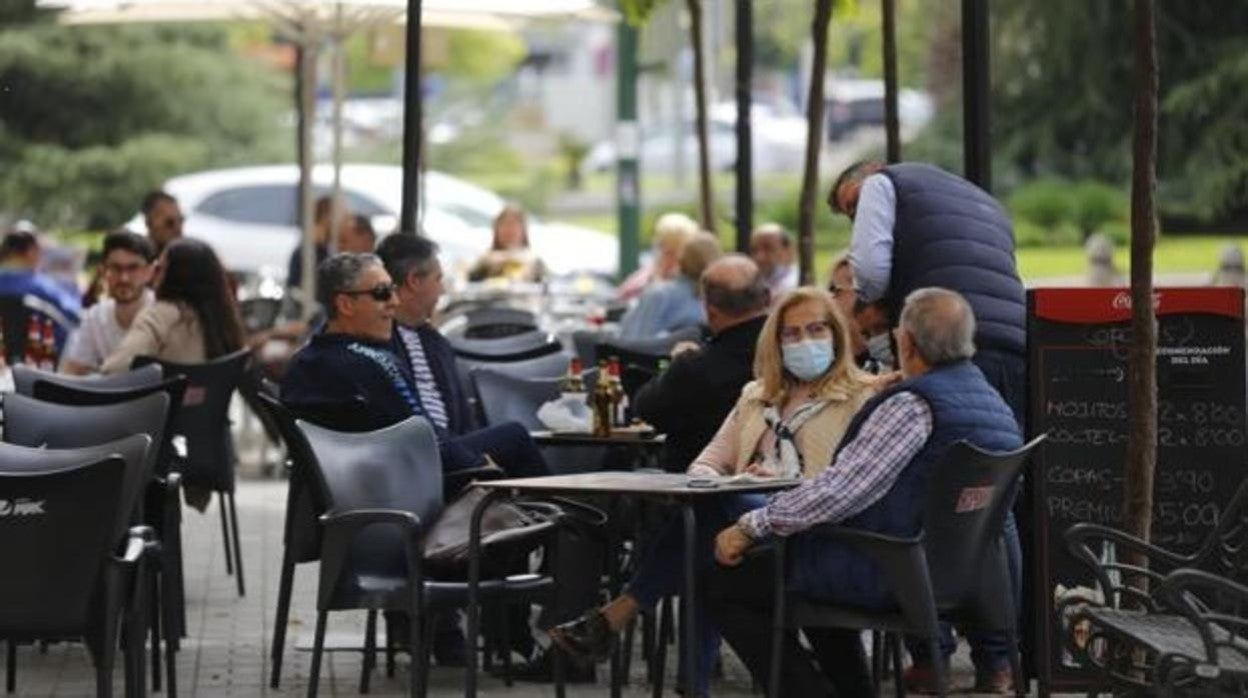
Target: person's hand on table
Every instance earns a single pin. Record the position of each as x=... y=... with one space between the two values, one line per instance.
x=731 y=544
x=684 y=347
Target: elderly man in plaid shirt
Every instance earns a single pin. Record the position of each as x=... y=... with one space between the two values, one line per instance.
x=876 y=482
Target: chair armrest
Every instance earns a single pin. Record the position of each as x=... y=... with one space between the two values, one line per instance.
x=861 y=538
x=351 y=521
x=1082 y=541
x=1188 y=591
x=341 y=527
x=456 y=480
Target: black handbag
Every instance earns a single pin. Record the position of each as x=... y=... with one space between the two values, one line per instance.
x=511 y=525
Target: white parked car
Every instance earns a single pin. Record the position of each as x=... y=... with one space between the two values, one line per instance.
x=248 y=215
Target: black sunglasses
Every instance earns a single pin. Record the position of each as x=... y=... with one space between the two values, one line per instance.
x=380 y=293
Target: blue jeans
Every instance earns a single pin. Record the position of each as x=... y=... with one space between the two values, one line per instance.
x=990 y=651
x=660 y=571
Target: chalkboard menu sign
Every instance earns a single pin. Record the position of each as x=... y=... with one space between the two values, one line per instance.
x=1077 y=345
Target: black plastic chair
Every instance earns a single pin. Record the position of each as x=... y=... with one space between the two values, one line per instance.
x=384 y=489
x=203 y=423
x=495 y=323
x=25 y=377
x=163 y=504
x=646 y=352
x=38 y=424
x=954 y=569
x=62 y=524
x=1217 y=610
x=507 y=398
x=516 y=347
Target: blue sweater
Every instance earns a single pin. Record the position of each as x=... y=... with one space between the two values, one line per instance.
x=338 y=368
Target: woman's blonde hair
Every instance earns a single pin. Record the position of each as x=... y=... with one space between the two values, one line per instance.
x=510 y=211
x=769 y=361
x=673 y=230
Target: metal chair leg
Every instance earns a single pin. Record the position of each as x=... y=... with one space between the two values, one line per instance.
x=154 y=624
x=318 y=647
x=10 y=667
x=370 y=650
x=659 y=659
x=877 y=661
x=238 y=545
x=899 y=680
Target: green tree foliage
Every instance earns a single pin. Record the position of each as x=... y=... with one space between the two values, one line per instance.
x=482 y=57
x=1062 y=96
x=91 y=117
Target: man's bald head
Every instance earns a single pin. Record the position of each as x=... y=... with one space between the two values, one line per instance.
x=734 y=291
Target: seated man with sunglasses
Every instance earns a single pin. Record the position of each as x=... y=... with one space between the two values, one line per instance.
x=352 y=360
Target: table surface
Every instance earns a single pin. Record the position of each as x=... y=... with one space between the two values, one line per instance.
x=546 y=437
x=629 y=482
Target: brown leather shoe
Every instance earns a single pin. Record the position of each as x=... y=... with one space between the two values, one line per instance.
x=1000 y=682
x=920 y=679
x=586 y=640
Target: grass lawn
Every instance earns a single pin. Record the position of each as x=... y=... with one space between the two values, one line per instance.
x=1173 y=254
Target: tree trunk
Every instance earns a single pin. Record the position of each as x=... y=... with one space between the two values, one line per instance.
x=892 y=126
x=1142 y=366
x=814 y=142
x=706 y=200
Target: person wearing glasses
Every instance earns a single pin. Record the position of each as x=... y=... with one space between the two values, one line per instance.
x=195 y=317
x=788 y=422
x=127 y=270
x=163 y=218
x=353 y=359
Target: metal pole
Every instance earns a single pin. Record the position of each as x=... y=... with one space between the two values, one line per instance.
x=975 y=95
x=892 y=127
x=745 y=137
x=338 y=46
x=413 y=122
x=628 y=185
x=307 y=96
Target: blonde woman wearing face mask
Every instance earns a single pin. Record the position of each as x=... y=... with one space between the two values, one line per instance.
x=788 y=422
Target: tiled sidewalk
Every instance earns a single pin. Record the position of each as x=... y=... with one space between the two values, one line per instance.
x=227 y=652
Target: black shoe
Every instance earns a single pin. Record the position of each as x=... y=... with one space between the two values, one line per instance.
x=541 y=669
x=586 y=640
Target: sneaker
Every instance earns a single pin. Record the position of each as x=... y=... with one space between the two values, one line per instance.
x=920 y=679
x=586 y=640
x=999 y=682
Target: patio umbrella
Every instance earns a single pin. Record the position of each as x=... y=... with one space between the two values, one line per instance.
x=309 y=23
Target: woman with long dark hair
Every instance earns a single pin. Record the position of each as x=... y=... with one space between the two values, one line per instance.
x=195 y=317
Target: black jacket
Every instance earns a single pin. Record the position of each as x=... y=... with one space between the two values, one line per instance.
x=691 y=399
x=441 y=359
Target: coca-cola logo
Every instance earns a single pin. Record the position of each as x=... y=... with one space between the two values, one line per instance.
x=1122 y=300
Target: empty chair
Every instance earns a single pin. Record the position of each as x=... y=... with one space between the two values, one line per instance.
x=24 y=378
x=384 y=491
x=548 y=366
x=67 y=516
x=507 y=398
x=516 y=347
x=203 y=424
x=496 y=322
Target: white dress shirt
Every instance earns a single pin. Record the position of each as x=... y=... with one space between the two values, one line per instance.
x=871 y=242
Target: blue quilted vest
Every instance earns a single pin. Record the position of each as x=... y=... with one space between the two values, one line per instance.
x=952 y=234
x=964 y=406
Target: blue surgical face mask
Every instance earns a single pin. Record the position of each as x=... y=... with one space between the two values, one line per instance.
x=880 y=347
x=808 y=359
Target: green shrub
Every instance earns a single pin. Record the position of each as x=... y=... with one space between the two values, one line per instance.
x=1029 y=234
x=1097 y=204
x=1044 y=202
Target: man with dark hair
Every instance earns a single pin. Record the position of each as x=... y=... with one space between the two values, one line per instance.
x=771 y=248
x=915 y=226
x=126 y=264
x=163 y=218
x=322 y=219
x=20 y=278
x=689 y=401
x=877 y=483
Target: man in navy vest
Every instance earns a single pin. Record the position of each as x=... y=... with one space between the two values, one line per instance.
x=876 y=482
x=915 y=225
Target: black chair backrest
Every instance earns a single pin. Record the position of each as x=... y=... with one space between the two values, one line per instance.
x=549 y=366
x=305 y=499
x=174 y=387
x=25 y=377
x=203 y=417
x=509 y=398
x=56 y=527
x=495 y=323
x=397 y=467
x=969 y=493
x=37 y=424
x=517 y=347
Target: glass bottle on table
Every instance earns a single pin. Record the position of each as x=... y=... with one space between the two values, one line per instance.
x=619 y=399
x=573 y=382
x=601 y=401
x=34 y=343
x=47 y=348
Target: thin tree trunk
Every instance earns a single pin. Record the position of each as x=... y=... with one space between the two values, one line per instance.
x=892 y=127
x=814 y=142
x=1142 y=366
x=706 y=200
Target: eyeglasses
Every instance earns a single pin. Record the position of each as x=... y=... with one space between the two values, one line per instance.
x=814 y=330
x=380 y=293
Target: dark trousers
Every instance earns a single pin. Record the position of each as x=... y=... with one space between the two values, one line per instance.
x=511 y=447
x=742 y=602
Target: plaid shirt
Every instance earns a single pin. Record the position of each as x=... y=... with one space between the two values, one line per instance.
x=862 y=473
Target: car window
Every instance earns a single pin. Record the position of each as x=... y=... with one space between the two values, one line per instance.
x=472 y=216
x=265 y=204
x=358 y=203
